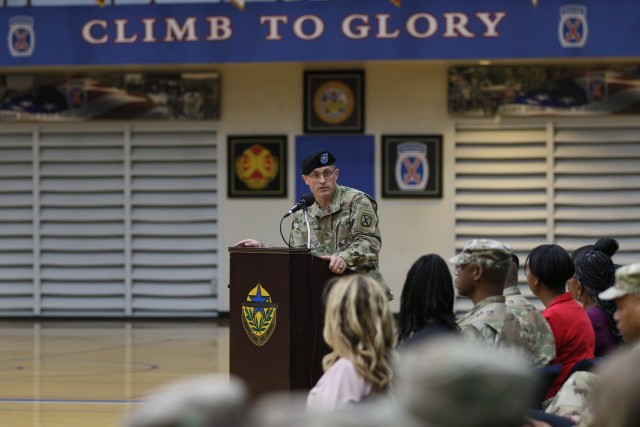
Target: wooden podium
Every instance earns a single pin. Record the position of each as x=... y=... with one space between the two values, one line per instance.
x=275 y=328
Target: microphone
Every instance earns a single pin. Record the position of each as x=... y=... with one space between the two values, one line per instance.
x=306 y=201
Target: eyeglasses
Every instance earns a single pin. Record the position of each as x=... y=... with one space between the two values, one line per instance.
x=326 y=174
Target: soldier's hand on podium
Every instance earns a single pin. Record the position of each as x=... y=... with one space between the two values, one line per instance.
x=336 y=263
x=249 y=243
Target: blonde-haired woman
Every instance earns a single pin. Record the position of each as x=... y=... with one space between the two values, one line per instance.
x=359 y=328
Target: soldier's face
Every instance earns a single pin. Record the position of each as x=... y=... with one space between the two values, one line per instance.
x=464 y=279
x=627 y=317
x=322 y=182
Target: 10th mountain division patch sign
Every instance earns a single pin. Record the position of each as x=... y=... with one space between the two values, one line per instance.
x=259 y=315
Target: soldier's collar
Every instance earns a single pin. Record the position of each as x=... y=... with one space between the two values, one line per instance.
x=334 y=206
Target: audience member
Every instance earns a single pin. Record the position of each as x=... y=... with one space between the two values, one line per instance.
x=481 y=269
x=605 y=245
x=626 y=293
x=547 y=268
x=595 y=273
x=204 y=401
x=571 y=400
x=289 y=410
x=614 y=400
x=426 y=304
x=451 y=382
x=360 y=330
x=537 y=333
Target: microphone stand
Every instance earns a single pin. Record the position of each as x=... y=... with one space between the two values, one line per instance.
x=306 y=220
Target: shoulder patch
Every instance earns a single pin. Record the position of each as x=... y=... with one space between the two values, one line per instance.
x=365 y=220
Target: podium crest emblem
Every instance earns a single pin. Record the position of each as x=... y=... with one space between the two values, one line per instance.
x=259 y=315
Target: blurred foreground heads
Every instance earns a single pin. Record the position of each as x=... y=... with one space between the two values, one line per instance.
x=204 y=401
x=450 y=382
x=615 y=401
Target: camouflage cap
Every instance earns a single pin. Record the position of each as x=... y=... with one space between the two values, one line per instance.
x=317 y=159
x=627 y=282
x=489 y=253
x=448 y=381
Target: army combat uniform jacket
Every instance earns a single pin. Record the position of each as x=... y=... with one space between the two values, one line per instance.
x=491 y=323
x=347 y=227
x=534 y=329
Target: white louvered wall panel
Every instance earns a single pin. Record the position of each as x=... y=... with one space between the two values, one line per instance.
x=125 y=221
x=598 y=187
x=174 y=224
x=17 y=284
x=82 y=207
x=540 y=181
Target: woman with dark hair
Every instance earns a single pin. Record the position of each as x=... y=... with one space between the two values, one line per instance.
x=426 y=304
x=595 y=272
x=606 y=245
x=548 y=268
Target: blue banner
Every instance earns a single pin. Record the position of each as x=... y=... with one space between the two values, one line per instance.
x=269 y=31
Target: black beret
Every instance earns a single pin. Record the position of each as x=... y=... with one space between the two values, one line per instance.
x=317 y=159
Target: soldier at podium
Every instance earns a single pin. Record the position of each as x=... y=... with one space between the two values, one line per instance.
x=343 y=221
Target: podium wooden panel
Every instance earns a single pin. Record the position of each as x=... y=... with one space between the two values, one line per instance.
x=292 y=357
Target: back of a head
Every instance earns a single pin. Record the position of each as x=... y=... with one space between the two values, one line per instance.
x=455 y=383
x=595 y=271
x=360 y=327
x=512 y=273
x=615 y=401
x=552 y=265
x=204 y=401
x=606 y=245
x=427 y=296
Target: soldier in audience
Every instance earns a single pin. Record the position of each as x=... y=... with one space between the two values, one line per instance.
x=534 y=328
x=204 y=401
x=574 y=398
x=481 y=269
x=451 y=382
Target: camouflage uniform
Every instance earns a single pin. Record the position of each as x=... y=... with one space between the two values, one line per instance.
x=447 y=381
x=534 y=329
x=347 y=227
x=489 y=320
x=572 y=398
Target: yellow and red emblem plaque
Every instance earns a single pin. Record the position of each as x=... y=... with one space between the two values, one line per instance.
x=259 y=315
x=256 y=167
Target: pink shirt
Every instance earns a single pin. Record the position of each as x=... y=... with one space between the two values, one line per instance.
x=573 y=333
x=340 y=385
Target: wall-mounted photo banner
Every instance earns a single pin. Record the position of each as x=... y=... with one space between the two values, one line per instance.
x=544 y=91
x=334 y=101
x=116 y=96
x=412 y=166
x=257 y=166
